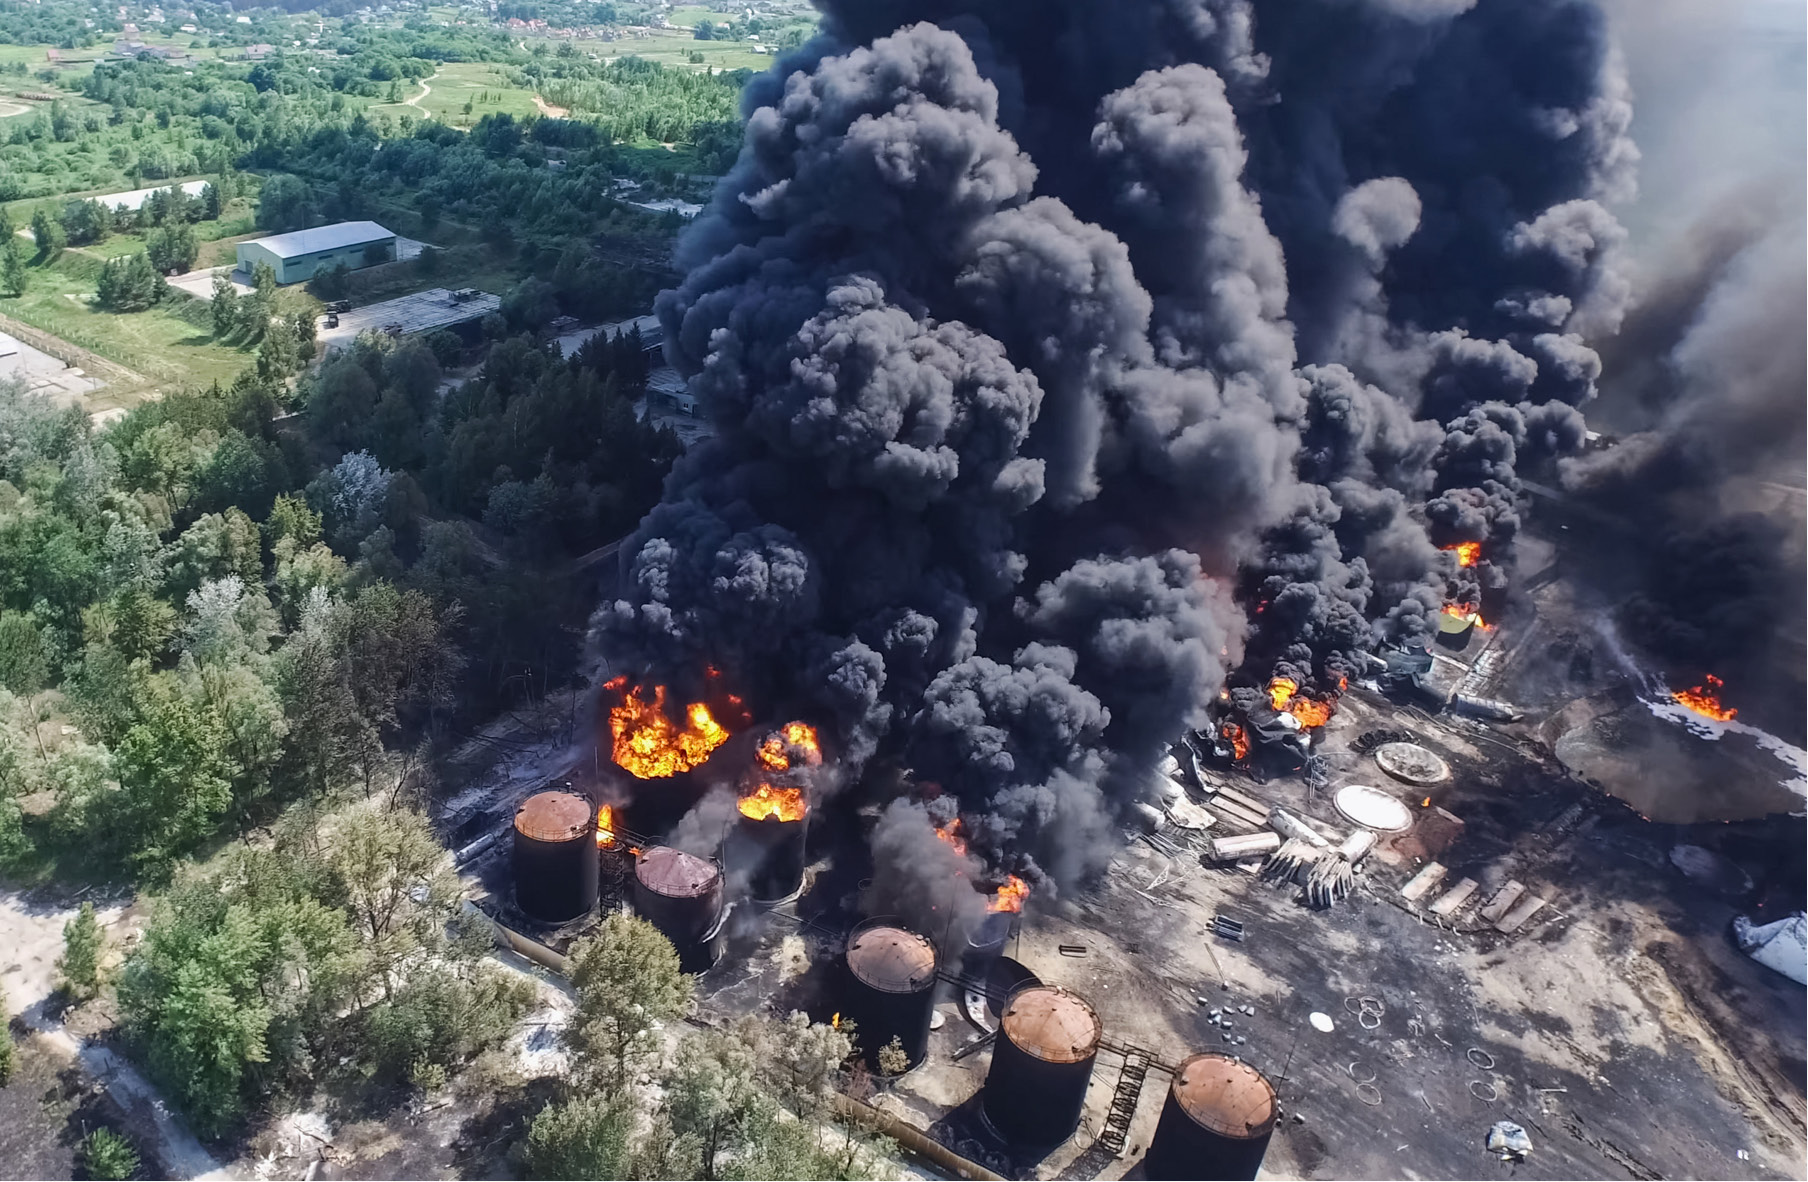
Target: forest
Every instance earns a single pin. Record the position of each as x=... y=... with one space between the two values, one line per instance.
x=244 y=619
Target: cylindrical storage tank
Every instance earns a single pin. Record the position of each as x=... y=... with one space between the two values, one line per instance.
x=681 y=895
x=555 y=857
x=891 y=990
x=985 y=944
x=1048 y=1039
x=773 y=852
x=1216 y=1124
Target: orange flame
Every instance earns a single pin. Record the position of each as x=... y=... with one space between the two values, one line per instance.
x=649 y=745
x=1311 y=712
x=951 y=835
x=1469 y=612
x=773 y=751
x=1010 y=896
x=605 y=826
x=1705 y=700
x=1237 y=738
x=1467 y=553
x=1426 y=803
x=784 y=804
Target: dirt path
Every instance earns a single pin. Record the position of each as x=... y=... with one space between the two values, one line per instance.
x=31 y=932
x=426 y=90
x=550 y=111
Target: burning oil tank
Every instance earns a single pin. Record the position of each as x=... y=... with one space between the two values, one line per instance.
x=1048 y=1040
x=891 y=993
x=555 y=858
x=771 y=851
x=1216 y=1124
x=985 y=944
x=681 y=895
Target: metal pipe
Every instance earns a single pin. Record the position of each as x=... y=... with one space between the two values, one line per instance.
x=914 y=1140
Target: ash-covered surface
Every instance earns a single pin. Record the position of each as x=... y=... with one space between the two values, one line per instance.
x=1623 y=1030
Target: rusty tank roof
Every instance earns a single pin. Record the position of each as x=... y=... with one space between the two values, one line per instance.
x=676 y=874
x=555 y=816
x=891 y=960
x=1051 y=1023
x=1225 y=1095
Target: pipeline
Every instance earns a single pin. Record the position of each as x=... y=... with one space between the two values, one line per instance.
x=914 y=1140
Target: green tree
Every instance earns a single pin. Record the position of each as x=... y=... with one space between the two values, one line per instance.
x=25 y=653
x=224 y=308
x=47 y=232
x=175 y=782
x=588 y=1136
x=82 y=944
x=398 y=883
x=172 y=248
x=629 y=985
x=12 y=258
x=106 y=1154
x=129 y=283
x=6 y=1043
x=85 y=222
x=285 y=203
x=211 y=202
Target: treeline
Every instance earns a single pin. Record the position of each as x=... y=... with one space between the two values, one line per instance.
x=238 y=614
x=633 y=98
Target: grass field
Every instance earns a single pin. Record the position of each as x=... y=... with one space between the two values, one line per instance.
x=673 y=48
x=691 y=16
x=458 y=83
x=158 y=343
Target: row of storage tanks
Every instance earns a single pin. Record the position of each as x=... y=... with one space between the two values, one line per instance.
x=1219 y=1114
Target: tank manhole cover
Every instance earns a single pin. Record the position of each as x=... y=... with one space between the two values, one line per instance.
x=1373 y=809
x=1412 y=763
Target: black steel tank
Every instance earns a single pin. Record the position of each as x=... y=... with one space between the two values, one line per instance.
x=555 y=858
x=1216 y=1123
x=771 y=853
x=985 y=944
x=681 y=895
x=891 y=989
x=1042 y=1059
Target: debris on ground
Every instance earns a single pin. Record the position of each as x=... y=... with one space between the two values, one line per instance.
x=1509 y=1140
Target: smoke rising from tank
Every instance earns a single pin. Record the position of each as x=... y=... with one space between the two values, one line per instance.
x=1069 y=362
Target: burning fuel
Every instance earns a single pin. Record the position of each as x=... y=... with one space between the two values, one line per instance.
x=1467 y=553
x=1238 y=739
x=792 y=747
x=766 y=802
x=1284 y=695
x=1010 y=896
x=1704 y=700
x=605 y=827
x=1468 y=613
x=648 y=744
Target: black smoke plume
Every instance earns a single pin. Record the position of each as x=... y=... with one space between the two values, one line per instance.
x=1070 y=360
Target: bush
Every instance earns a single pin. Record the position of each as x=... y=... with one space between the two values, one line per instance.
x=587 y=1137
x=82 y=943
x=106 y=1154
x=129 y=283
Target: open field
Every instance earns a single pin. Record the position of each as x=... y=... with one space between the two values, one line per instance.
x=159 y=344
x=456 y=83
x=672 y=47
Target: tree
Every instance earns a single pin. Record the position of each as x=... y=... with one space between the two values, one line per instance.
x=211 y=202
x=172 y=247
x=106 y=1154
x=704 y=31
x=628 y=984
x=285 y=203
x=224 y=308
x=25 y=654
x=47 y=232
x=6 y=1043
x=129 y=283
x=588 y=1136
x=277 y=355
x=82 y=943
x=12 y=258
x=397 y=886
x=85 y=222
x=175 y=782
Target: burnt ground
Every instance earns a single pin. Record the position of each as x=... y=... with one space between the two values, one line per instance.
x=46 y=1109
x=1620 y=1026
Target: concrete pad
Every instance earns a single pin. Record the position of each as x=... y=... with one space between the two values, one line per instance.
x=1515 y=919
x=1452 y=900
x=1502 y=900
x=1422 y=883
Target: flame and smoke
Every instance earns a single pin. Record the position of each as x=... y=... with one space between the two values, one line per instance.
x=1284 y=695
x=1469 y=613
x=793 y=746
x=1043 y=348
x=605 y=827
x=1010 y=896
x=1238 y=738
x=648 y=744
x=1467 y=553
x=1704 y=700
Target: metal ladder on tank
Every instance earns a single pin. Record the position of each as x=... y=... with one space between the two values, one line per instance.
x=1123 y=1101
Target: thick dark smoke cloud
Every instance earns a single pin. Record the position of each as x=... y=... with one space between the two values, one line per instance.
x=1071 y=361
